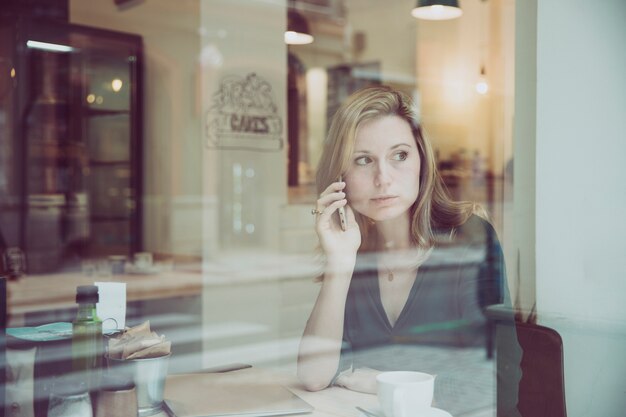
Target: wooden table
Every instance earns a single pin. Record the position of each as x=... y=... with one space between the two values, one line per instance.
x=330 y=402
x=57 y=291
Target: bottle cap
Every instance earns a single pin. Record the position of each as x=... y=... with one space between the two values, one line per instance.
x=87 y=294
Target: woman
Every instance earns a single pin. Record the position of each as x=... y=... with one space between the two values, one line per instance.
x=388 y=278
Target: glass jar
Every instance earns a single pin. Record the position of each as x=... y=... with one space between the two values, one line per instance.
x=69 y=398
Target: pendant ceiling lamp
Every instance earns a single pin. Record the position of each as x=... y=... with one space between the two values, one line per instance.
x=482 y=86
x=298 y=32
x=437 y=9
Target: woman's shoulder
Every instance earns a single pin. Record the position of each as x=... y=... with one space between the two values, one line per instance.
x=475 y=221
x=476 y=229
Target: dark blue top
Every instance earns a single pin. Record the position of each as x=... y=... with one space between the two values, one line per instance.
x=464 y=274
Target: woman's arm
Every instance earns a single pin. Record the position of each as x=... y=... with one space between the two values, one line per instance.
x=320 y=348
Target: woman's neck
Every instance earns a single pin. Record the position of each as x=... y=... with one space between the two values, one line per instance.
x=395 y=233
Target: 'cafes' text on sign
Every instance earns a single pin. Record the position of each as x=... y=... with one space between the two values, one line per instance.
x=243 y=123
x=243 y=115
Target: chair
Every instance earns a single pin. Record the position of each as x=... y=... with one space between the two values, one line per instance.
x=541 y=388
x=529 y=362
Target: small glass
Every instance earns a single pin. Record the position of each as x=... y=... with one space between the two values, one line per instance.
x=88 y=267
x=69 y=398
x=117 y=264
x=103 y=268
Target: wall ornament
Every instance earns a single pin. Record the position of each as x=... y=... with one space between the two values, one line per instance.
x=244 y=116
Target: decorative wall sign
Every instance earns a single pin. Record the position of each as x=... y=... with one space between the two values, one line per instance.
x=243 y=115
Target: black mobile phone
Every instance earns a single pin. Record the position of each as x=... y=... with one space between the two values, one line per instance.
x=342 y=213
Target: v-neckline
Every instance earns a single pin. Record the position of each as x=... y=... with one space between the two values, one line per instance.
x=379 y=301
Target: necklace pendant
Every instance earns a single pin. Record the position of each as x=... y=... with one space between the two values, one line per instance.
x=390 y=276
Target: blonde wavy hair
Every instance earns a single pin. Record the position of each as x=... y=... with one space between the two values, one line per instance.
x=433 y=209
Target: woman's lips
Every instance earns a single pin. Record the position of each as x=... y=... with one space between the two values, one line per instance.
x=384 y=200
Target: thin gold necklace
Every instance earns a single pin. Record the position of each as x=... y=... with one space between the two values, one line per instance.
x=390 y=276
x=388 y=245
x=405 y=265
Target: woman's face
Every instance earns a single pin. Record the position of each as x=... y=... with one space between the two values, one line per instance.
x=382 y=182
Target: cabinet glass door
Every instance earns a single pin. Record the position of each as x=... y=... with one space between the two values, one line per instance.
x=54 y=159
x=107 y=131
x=74 y=122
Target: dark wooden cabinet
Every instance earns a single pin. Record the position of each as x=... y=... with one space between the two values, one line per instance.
x=70 y=141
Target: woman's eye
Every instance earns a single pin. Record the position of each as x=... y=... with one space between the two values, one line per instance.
x=363 y=160
x=401 y=156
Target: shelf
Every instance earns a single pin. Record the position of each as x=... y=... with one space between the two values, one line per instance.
x=95 y=219
x=96 y=163
x=50 y=101
x=54 y=150
x=105 y=112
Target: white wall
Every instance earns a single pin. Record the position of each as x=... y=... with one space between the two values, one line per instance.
x=240 y=37
x=581 y=145
x=580 y=177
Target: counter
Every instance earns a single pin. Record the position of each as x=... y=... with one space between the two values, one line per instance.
x=35 y=293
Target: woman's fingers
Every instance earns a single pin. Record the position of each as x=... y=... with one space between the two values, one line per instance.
x=332 y=193
x=330 y=209
x=332 y=188
x=328 y=199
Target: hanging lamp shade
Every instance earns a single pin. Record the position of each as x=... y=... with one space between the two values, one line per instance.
x=437 y=9
x=298 y=32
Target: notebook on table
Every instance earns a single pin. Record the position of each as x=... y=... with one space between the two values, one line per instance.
x=228 y=395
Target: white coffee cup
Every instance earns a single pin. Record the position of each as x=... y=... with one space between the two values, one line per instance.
x=117 y=264
x=143 y=260
x=403 y=393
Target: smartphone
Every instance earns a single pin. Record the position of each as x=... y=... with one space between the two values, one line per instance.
x=342 y=212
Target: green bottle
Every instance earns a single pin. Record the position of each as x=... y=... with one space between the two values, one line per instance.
x=87 y=337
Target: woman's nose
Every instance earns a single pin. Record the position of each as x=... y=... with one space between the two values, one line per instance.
x=382 y=174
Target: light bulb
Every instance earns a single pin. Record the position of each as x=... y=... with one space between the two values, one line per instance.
x=482 y=87
x=116 y=85
x=297 y=38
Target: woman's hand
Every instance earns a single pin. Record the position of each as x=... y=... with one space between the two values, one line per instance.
x=339 y=246
x=361 y=380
